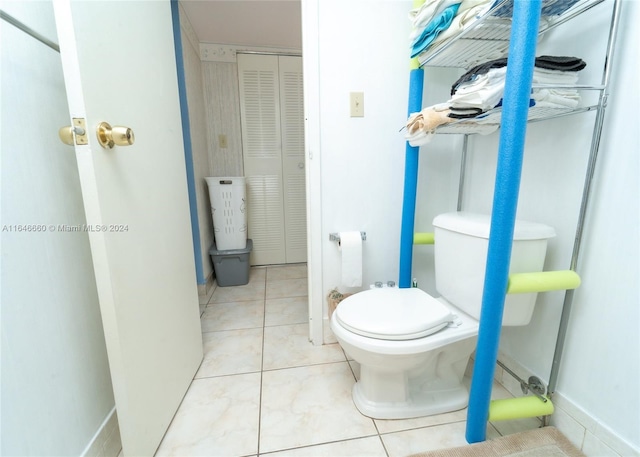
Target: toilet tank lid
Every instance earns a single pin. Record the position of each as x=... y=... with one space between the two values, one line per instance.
x=393 y=314
x=479 y=225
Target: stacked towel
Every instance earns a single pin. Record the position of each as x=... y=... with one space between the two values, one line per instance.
x=481 y=88
x=476 y=93
x=559 y=63
x=469 y=11
x=439 y=20
x=555 y=97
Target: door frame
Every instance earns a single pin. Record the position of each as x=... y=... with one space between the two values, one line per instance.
x=188 y=147
x=313 y=167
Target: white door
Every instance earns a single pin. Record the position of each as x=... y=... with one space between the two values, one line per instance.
x=262 y=156
x=272 y=117
x=293 y=161
x=119 y=67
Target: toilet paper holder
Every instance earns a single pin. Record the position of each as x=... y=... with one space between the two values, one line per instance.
x=336 y=236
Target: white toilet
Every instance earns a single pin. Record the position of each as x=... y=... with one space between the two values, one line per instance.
x=413 y=348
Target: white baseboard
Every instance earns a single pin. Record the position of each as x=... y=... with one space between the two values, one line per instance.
x=106 y=442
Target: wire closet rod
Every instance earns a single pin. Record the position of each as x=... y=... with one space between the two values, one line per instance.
x=29 y=31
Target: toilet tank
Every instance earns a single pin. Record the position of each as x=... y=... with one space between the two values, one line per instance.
x=461 y=244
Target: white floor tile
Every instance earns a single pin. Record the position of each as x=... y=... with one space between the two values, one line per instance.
x=303 y=407
x=287 y=288
x=232 y=294
x=517 y=425
x=409 y=442
x=425 y=439
x=388 y=426
x=309 y=405
x=361 y=447
x=218 y=417
x=254 y=290
x=289 y=346
x=280 y=272
x=290 y=310
x=233 y=316
x=257 y=274
x=231 y=352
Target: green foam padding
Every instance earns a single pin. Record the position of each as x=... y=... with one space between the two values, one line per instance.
x=543 y=281
x=423 y=238
x=519 y=408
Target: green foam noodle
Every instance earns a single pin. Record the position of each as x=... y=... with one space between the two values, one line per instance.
x=423 y=238
x=543 y=281
x=519 y=408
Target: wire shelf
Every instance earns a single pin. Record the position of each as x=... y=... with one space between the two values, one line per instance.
x=487 y=37
x=483 y=124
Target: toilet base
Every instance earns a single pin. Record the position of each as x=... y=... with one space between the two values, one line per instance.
x=418 y=404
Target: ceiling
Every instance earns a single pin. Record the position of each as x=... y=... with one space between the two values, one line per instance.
x=264 y=23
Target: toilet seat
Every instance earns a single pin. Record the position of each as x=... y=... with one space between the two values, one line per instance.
x=393 y=314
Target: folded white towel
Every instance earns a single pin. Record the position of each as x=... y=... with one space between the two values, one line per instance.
x=544 y=76
x=468 y=13
x=552 y=98
x=483 y=92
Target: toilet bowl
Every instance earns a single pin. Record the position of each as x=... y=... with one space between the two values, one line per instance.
x=402 y=374
x=412 y=348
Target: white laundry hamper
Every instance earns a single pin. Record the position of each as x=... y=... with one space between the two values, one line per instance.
x=228 y=211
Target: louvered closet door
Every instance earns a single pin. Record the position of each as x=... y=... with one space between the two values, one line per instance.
x=262 y=154
x=293 y=174
x=273 y=151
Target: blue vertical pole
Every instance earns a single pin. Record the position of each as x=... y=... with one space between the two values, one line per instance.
x=522 y=48
x=412 y=154
x=416 y=84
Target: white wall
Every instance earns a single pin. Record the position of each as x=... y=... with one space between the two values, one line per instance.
x=56 y=388
x=362 y=159
x=602 y=362
x=198 y=130
x=362 y=163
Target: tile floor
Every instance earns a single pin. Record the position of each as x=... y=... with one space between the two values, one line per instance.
x=263 y=389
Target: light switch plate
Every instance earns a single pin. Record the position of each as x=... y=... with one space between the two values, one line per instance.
x=357 y=104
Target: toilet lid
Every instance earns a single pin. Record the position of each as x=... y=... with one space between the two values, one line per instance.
x=393 y=314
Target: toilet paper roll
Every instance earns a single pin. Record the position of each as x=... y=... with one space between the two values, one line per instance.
x=351 y=249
